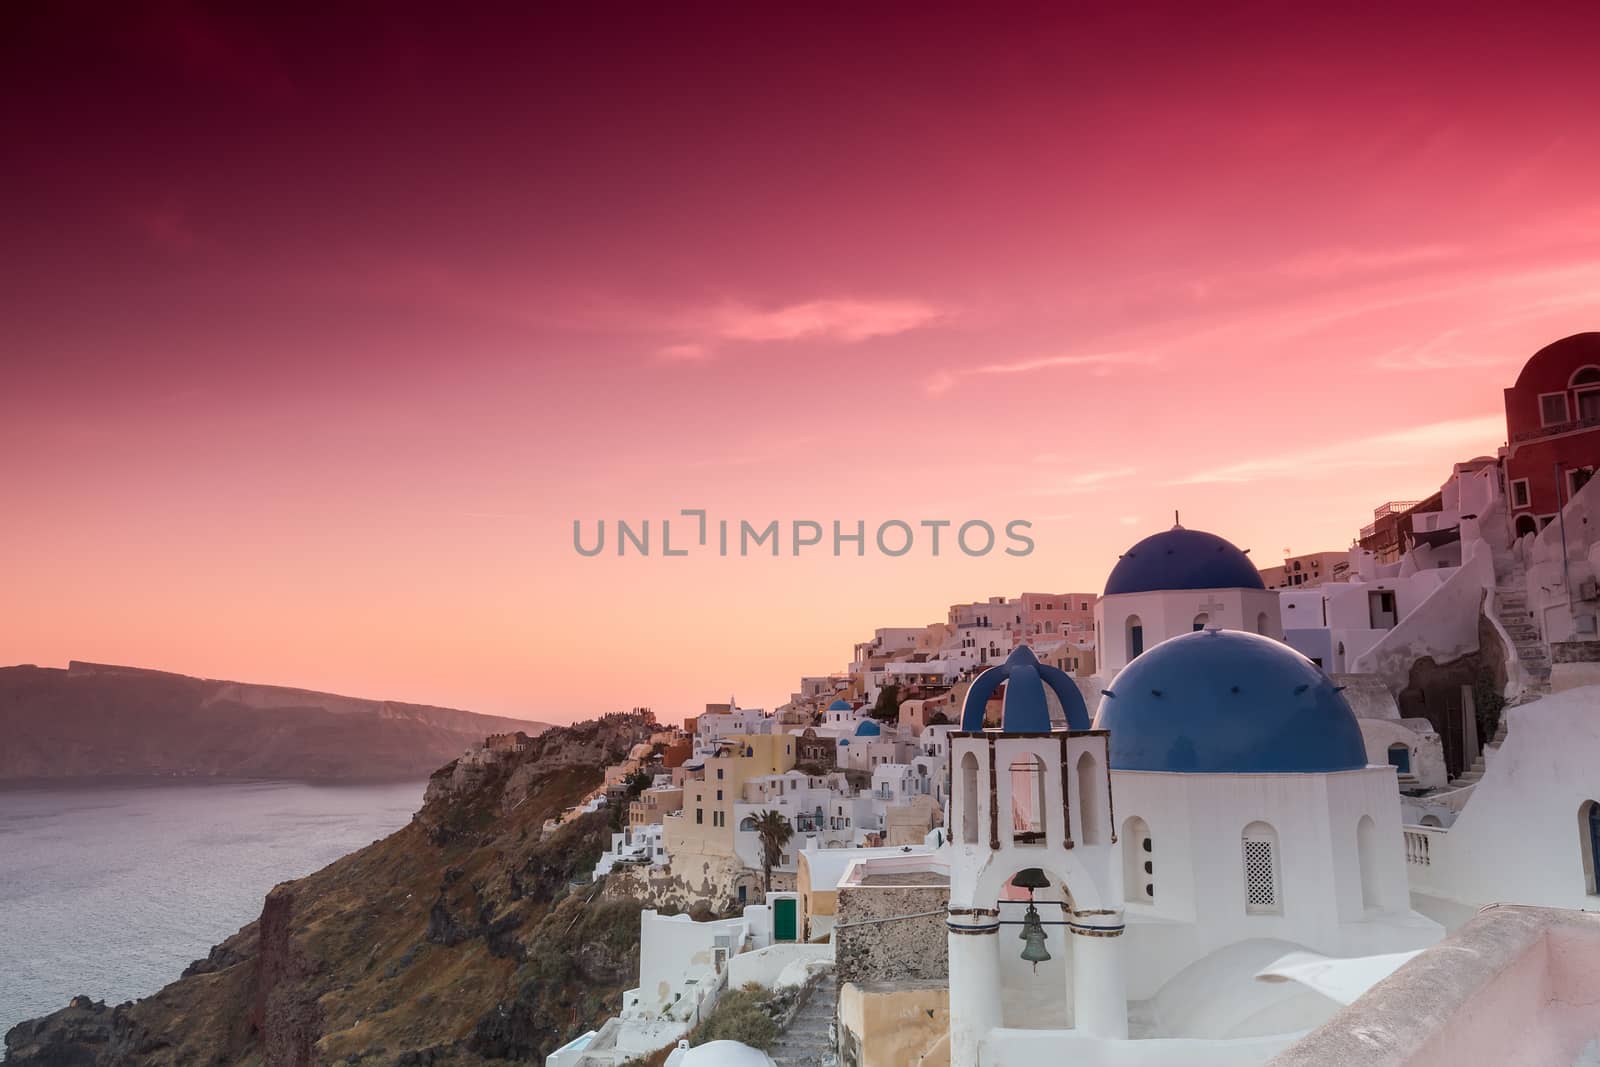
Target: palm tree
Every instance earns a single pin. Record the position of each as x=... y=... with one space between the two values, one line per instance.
x=775 y=833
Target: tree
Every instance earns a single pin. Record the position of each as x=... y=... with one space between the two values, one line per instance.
x=887 y=709
x=775 y=832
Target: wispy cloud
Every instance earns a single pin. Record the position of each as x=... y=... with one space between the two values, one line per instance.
x=1098 y=363
x=167 y=227
x=1466 y=437
x=833 y=320
x=684 y=352
x=1446 y=351
x=1083 y=483
x=1326 y=263
x=838 y=321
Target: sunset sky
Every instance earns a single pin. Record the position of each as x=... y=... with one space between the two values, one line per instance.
x=318 y=331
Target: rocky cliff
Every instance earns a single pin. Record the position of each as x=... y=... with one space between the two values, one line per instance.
x=92 y=720
x=460 y=939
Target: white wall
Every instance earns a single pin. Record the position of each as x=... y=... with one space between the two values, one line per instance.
x=677 y=958
x=1196 y=822
x=1172 y=613
x=1518 y=839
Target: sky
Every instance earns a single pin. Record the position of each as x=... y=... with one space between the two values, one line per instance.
x=319 y=329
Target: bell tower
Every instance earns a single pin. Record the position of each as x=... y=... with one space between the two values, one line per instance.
x=1033 y=849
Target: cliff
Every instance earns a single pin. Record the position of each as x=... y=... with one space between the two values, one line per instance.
x=460 y=939
x=93 y=720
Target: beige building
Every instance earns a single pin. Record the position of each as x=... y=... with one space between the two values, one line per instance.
x=1311 y=569
x=705 y=826
x=654 y=804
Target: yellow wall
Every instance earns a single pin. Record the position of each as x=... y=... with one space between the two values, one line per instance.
x=903 y=1027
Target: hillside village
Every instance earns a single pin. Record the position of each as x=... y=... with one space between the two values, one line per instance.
x=1212 y=805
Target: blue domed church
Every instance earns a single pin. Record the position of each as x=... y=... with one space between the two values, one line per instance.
x=1204 y=871
x=1177 y=582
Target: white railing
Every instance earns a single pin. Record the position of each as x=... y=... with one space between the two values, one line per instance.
x=1419 y=844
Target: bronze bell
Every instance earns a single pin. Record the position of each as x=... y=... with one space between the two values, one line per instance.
x=1033 y=933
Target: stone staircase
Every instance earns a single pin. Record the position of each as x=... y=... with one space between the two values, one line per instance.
x=1511 y=607
x=1510 y=603
x=809 y=1040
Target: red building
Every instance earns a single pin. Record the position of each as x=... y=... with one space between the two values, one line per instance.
x=1552 y=429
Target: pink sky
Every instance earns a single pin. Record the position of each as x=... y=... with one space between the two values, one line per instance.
x=318 y=334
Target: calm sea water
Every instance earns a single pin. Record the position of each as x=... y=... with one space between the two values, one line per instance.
x=112 y=891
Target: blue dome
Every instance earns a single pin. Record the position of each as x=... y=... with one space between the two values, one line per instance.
x=843 y=741
x=1226 y=702
x=1182 y=559
x=1024 y=708
x=869 y=729
x=840 y=705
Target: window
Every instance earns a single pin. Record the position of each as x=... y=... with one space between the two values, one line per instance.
x=1577 y=479
x=719 y=794
x=1260 y=845
x=1261 y=623
x=1589 y=405
x=1027 y=801
x=1527 y=524
x=1367 y=854
x=699 y=816
x=1589 y=375
x=1400 y=757
x=1519 y=493
x=1200 y=621
x=1589 y=831
x=1135 y=635
x=969 y=799
x=719 y=774
x=1552 y=408
x=1089 y=794
x=1138 y=865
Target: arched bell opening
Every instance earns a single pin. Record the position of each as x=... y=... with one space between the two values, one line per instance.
x=1036 y=951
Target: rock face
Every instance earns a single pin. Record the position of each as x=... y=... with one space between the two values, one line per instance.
x=92 y=720
x=460 y=939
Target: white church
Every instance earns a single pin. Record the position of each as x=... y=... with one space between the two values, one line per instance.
x=1203 y=872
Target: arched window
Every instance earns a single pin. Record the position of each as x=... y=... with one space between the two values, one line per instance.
x=1135 y=637
x=1090 y=791
x=1431 y=820
x=1138 y=863
x=747 y=824
x=1400 y=757
x=1201 y=620
x=969 y=799
x=1262 y=892
x=1367 y=854
x=1027 y=801
x=1589 y=375
x=1261 y=623
x=1589 y=832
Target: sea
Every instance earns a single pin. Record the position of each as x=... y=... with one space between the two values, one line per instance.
x=112 y=890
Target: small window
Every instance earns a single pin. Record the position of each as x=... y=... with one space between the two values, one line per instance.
x=699 y=816
x=1260 y=842
x=1400 y=757
x=1552 y=408
x=1589 y=830
x=1519 y=493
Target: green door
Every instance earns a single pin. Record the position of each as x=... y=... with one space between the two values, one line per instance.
x=783 y=917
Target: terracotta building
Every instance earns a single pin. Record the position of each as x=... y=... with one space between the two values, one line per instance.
x=1552 y=429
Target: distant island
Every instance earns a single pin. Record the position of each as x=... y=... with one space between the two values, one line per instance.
x=94 y=720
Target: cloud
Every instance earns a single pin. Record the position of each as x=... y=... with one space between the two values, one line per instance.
x=848 y=321
x=1445 y=351
x=1466 y=437
x=1099 y=363
x=167 y=227
x=684 y=352
x=1083 y=483
x=1326 y=263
